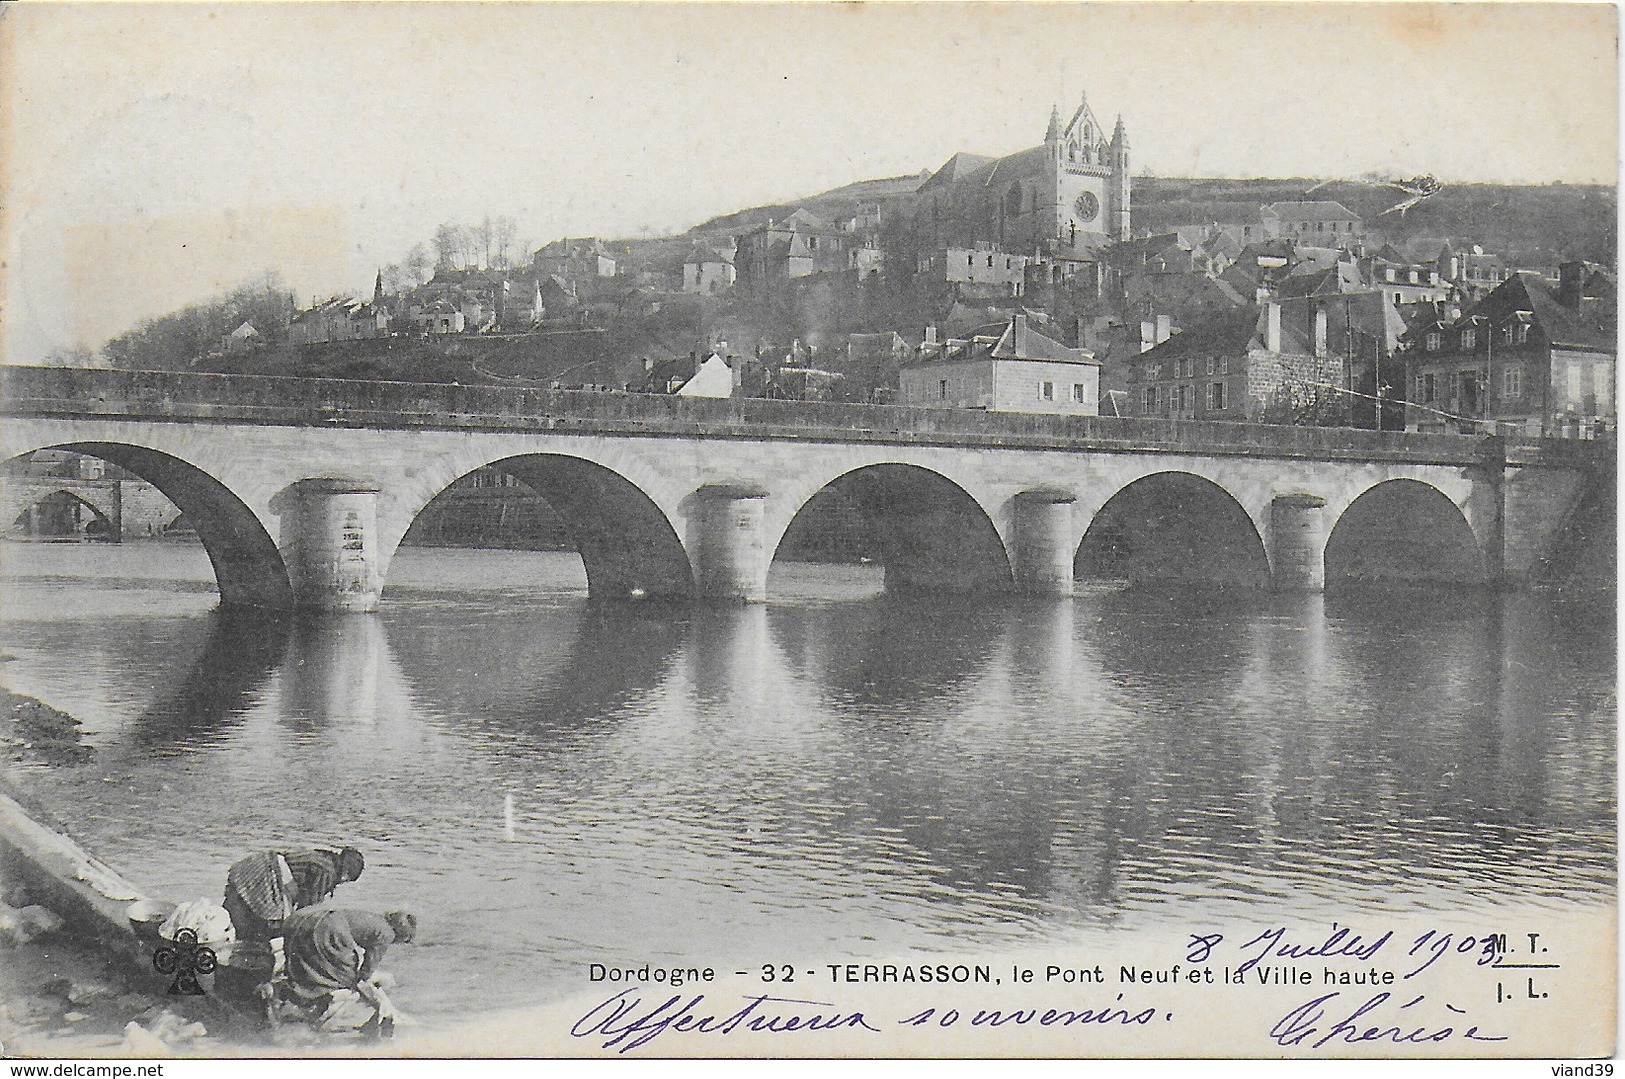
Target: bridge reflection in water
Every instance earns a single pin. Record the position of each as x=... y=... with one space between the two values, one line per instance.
x=841 y=771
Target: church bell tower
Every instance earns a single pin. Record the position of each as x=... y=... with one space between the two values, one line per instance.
x=1120 y=182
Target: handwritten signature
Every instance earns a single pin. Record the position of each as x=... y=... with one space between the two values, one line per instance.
x=1372 y=1021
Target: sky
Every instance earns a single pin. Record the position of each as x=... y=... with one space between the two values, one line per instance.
x=157 y=155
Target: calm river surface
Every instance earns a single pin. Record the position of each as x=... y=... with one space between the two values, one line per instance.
x=835 y=775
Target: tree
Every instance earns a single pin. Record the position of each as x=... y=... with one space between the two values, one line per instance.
x=504 y=235
x=72 y=356
x=1300 y=400
x=448 y=246
x=417 y=264
x=177 y=340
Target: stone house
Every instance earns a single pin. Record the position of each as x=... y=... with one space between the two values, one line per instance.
x=708 y=270
x=1245 y=364
x=780 y=251
x=1527 y=357
x=1009 y=368
x=1320 y=223
x=575 y=260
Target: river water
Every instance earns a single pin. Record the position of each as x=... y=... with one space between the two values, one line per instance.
x=835 y=775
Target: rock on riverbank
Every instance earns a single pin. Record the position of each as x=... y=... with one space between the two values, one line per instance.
x=34 y=731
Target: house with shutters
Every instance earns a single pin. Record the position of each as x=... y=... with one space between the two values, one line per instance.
x=1529 y=357
x=1003 y=368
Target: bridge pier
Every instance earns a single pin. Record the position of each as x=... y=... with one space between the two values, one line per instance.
x=1298 y=537
x=1042 y=550
x=730 y=556
x=330 y=544
x=1529 y=515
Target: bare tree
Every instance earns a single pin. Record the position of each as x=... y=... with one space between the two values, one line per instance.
x=417 y=264
x=504 y=234
x=447 y=246
x=72 y=356
x=1300 y=400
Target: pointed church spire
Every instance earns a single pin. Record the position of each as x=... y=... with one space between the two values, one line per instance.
x=378 y=288
x=1054 y=132
x=1120 y=133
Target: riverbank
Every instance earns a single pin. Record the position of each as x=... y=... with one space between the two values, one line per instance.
x=73 y=981
x=66 y=990
x=34 y=732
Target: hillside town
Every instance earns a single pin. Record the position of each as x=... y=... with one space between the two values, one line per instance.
x=1032 y=282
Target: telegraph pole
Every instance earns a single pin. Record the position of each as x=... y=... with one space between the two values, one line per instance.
x=1348 y=356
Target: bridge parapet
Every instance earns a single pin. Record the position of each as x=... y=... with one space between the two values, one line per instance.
x=305 y=402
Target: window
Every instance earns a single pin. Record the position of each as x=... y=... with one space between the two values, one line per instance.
x=970 y=260
x=942 y=389
x=1215 y=397
x=1224 y=365
x=1430 y=388
x=1210 y=365
x=1149 y=397
x=1046 y=391
x=1506 y=334
x=1512 y=382
x=1523 y=333
x=1078 y=390
x=1432 y=341
x=1469 y=338
x=990 y=262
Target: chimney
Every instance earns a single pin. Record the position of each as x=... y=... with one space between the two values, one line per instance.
x=1091 y=331
x=1320 y=331
x=1272 y=327
x=931 y=334
x=1019 y=338
x=1570 y=283
x=1165 y=328
x=1148 y=336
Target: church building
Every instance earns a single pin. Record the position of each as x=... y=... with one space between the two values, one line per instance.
x=1060 y=203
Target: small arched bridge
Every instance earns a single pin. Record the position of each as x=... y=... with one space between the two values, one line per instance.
x=301 y=489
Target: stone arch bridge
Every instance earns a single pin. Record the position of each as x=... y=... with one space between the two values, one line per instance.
x=120 y=508
x=302 y=489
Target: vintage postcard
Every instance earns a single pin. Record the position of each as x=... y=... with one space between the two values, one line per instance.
x=794 y=531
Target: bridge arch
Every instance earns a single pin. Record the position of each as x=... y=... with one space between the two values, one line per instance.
x=1403 y=530
x=1173 y=526
x=929 y=532
x=248 y=569
x=626 y=540
x=57 y=511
